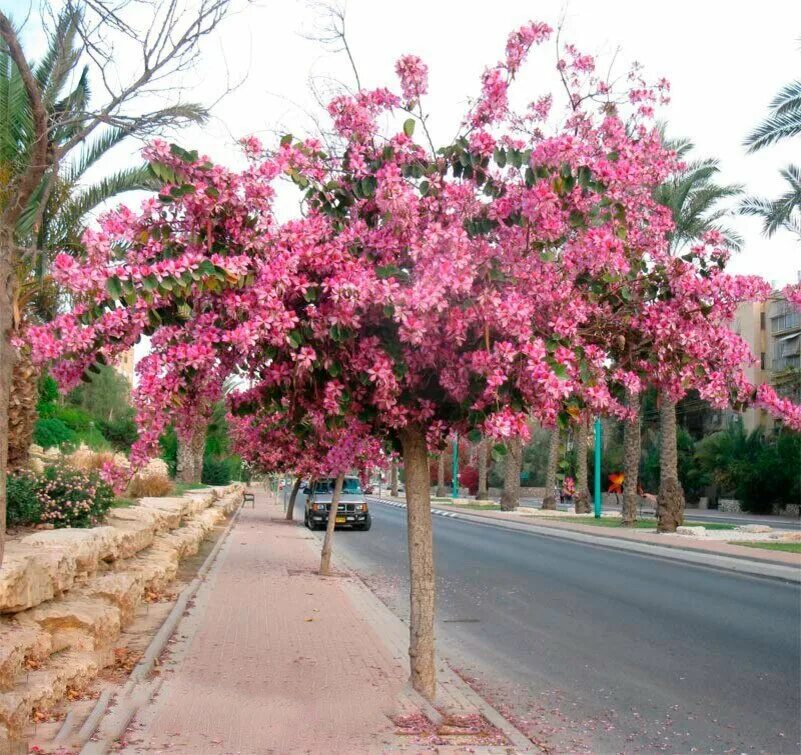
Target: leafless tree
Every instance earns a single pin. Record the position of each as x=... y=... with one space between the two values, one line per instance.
x=139 y=51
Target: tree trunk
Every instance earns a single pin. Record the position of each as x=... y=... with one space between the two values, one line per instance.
x=582 y=505
x=549 y=501
x=421 y=561
x=393 y=479
x=670 y=501
x=190 y=456
x=290 y=507
x=631 y=463
x=23 y=397
x=441 y=475
x=510 y=497
x=328 y=541
x=7 y=356
x=483 y=468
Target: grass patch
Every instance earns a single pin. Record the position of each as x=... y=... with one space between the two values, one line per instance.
x=478 y=506
x=122 y=503
x=640 y=524
x=181 y=487
x=786 y=547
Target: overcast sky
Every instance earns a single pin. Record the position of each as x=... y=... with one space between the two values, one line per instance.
x=725 y=61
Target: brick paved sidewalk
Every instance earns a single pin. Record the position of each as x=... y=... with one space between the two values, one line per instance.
x=273 y=658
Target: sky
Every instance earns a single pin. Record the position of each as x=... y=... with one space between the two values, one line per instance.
x=725 y=62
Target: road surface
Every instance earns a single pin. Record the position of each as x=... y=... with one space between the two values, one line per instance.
x=601 y=650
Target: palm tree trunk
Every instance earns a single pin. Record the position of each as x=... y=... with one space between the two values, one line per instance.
x=21 y=409
x=441 y=475
x=631 y=463
x=7 y=357
x=549 y=500
x=290 y=507
x=582 y=505
x=328 y=541
x=421 y=561
x=510 y=497
x=393 y=479
x=190 y=455
x=483 y=468
x=670 y=501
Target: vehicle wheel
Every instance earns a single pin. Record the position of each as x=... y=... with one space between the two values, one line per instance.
x=367 y=524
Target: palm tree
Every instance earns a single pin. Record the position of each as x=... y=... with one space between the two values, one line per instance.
x=549 y=499
x=784 y=212
x=783 y=122
x=694 y=200
x=54 y=217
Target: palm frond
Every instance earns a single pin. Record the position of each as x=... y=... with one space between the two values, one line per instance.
x=779 y=125
x=787 y=98
x=82 y=203
x=93 y=151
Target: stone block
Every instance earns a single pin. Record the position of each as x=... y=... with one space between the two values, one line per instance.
x=122 y=589
x=133 y=536
x=755 y=528
x=30 y=575
x=88 y=546
x=19 y=643
x=161 y=519
x=78 y=623
x=691 y=531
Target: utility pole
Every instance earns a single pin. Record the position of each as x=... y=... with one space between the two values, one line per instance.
x=455 y=466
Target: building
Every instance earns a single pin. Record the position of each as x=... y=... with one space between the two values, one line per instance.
x=773 y=331
x=125 y=366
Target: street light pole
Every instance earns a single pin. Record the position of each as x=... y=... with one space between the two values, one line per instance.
x=455 y=467
x=597 y=497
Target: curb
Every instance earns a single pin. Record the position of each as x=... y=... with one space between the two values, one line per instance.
x=138 y=689
x=394 y=631
x=739 y=564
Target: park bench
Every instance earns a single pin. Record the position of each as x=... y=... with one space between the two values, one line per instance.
x=249 y=498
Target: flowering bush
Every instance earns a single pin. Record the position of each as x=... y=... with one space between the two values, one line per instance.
x=61 y=496
x=568 y=487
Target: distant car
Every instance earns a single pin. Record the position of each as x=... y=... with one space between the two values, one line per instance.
x=351 y=512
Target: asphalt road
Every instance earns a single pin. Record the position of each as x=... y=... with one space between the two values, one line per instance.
x=600 y=650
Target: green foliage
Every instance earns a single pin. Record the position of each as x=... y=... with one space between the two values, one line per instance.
x=22 y=505
x=52 y=432
x=61 y=496
x=693 y=479
x=168 y=443
x=48 y=389
x=121 y=433
x=216 y=471
x=756 y=469
x=106 y=397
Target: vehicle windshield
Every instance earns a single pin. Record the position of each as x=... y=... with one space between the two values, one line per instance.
x=350 y=486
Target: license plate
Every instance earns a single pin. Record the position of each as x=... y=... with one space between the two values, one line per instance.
x=341 y=520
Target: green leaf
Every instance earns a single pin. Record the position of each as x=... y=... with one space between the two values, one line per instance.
x=475 y=436
x=295 y=339
x=334 y=370
x=368 y=186
x=114 y=288
x=500 y=157
x=286 y=139
x=387 y=271
x=424 y=187
x=408 y=126
x=150 y=283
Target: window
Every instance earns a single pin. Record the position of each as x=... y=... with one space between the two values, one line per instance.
x=762 y=319
x=762 y=359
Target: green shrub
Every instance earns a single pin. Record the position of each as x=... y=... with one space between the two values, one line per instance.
x=71 y=497
x=216 y=471
x=169 y=449
x=61 y=496
x=52 y=432
x=74 y=418
x=22 y=504
x=121 y=433
x=94 y=439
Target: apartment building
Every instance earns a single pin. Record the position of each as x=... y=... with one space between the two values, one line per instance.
x=773 y=330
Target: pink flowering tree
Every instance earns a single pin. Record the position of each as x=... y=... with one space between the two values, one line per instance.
x=423 y=291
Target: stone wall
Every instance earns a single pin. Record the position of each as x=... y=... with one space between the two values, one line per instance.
x=66 y=594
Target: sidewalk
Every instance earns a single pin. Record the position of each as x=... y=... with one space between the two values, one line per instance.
x=272 y=658
x=712 y=547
